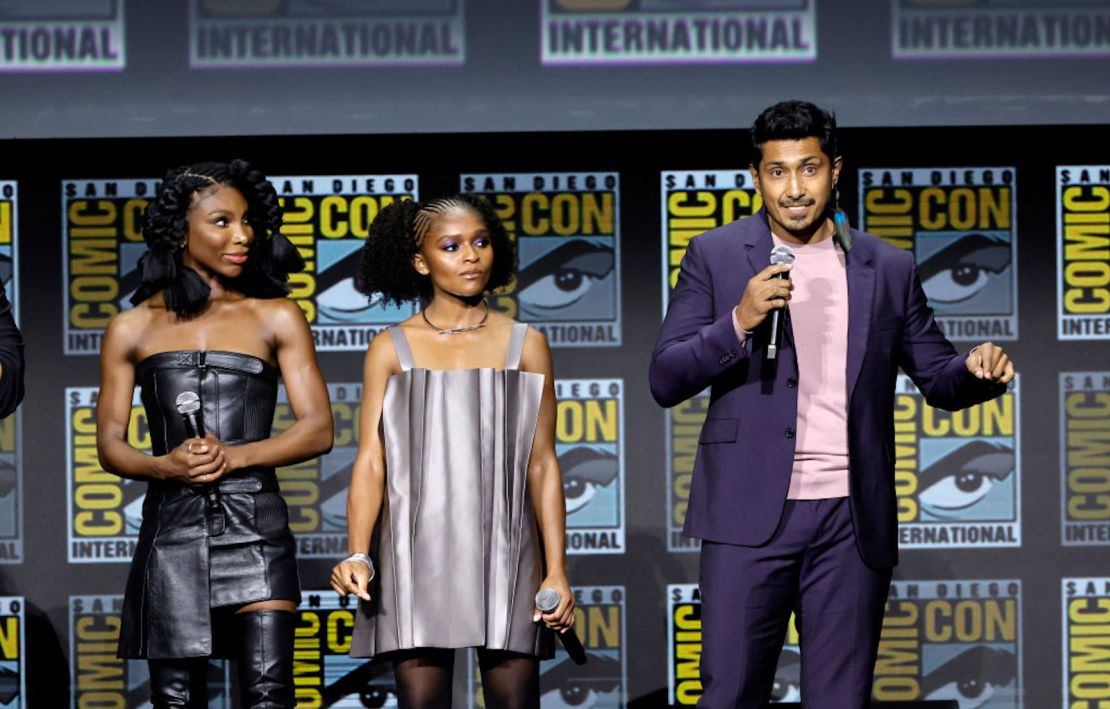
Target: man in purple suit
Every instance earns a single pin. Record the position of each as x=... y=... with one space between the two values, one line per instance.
x=793 y=488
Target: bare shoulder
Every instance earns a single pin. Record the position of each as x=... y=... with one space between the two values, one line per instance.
x=281 y=317
x=280 y=308
x=125 y=330
x=381 y=356
x=536 y=356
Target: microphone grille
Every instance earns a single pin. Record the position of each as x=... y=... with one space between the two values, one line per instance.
x=187 y=402
x=782 y=254
x=547 y=599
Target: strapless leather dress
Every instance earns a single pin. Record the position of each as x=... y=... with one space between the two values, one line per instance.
x=206 y=548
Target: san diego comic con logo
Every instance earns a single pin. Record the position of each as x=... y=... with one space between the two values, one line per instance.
x=300 y=33
x=694 y=202
x=100 y=679
x=1085 y=458
x=684 y=643
x=1083 y=252
x=11 y=459
x=104 y=511
x=1086 y=642
x=326 y=217
x=316 y=490
x=961 y=226
x=589 y=440
x=62 y=35
x=13 y=643
x=324 y=674
x=101 y=246
x=956 y=474
x=567 y=230
x=678 y=31
x=601 y=683
x=965 y=29
x=957 y=640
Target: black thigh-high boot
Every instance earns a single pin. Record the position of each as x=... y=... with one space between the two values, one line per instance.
x=265 y=644
x=178 y=684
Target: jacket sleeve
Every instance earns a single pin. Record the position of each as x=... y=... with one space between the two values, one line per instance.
x=11 y=358
x=694 y=347
x=926 y=355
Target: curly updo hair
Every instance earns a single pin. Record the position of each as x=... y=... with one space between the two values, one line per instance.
x=271 y=256
x=386 y=267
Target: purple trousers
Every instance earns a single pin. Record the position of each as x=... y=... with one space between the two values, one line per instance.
x=811 y=566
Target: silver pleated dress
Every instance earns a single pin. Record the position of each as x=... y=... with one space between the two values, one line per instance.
x=459 y=556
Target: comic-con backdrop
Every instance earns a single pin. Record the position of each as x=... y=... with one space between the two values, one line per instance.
x=1002 y=599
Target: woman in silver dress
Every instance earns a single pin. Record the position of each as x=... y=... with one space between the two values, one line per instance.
x=457 y=464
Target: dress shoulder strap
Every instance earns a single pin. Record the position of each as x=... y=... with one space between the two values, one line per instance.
x=401 y=347
x=516 y=345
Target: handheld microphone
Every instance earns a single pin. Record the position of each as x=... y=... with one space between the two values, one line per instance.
x=547 y=600
x=188 y=404
x=780 y=254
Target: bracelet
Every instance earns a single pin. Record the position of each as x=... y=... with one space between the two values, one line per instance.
x=359 y=556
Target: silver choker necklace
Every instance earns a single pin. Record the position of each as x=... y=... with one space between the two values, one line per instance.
x=457 y=330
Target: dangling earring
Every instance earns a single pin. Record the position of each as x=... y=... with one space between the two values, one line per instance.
x=840 y=220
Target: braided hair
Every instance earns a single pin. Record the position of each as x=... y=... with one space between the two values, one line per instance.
x=396 y=234
x=271 y=257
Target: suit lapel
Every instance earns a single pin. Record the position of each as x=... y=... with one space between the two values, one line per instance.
x=758 y=246
x=861 y=295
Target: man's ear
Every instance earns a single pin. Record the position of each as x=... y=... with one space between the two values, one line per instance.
x=838 y=162
x=755 y=178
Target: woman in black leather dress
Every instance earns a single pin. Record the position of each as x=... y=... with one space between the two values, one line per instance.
x=214 y=572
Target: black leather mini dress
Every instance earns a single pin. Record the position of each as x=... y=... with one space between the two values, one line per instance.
x=206 y=548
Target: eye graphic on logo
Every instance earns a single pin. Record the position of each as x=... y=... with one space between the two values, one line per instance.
x=372 y=681
x=964 y=477
x=134 y=493
x=6 y=268
x=378 y=696
x=9 y=685
x=7 y=478
x=581 y=686
x=586 y=469
x=342 y=303
x=788 y=678
x=971 y=677
x=332 y=492
x=963 y=268
x=336 y=297
x=564 y=276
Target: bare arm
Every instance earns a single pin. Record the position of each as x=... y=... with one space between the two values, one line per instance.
x=545 y=483
x=311 y=433
x=113 y=414
x=364 y=497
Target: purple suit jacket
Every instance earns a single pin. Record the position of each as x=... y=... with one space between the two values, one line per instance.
x=746 y=448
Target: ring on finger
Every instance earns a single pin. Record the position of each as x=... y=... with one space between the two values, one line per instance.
x=189 y=447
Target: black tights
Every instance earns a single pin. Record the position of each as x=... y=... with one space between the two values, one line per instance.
x=509 y=680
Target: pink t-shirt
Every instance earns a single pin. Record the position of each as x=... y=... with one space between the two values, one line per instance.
x=819 y=321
